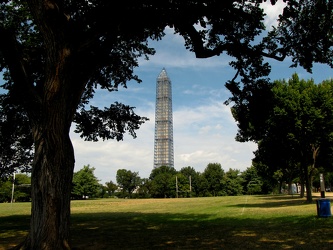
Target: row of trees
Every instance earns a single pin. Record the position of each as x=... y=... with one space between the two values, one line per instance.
x=164 y=182
x=168 y=182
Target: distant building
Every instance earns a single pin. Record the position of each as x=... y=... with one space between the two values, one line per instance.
x=163 y=144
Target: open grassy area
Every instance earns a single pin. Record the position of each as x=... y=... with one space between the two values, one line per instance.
x=242 y=222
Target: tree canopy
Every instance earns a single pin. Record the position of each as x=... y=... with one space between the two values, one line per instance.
x=85 y=183
x=163 y=181
x=127 y=180
x=214 y=173
x=296 y=136
x=16 y=187
x=56 y=53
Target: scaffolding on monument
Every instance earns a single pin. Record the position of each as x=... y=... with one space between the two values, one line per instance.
x=163 y=144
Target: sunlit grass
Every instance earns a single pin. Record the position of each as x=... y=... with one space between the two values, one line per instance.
x=241 y=222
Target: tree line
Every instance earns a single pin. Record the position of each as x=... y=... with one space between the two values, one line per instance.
x=167 y=182
x=163 y=182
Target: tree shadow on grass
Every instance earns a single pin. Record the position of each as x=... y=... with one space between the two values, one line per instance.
x=273 y=202
x=13 y=230
x=171 y=231
x=276 y=201
x=91 y=231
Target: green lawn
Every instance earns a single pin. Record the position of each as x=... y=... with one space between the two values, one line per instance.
x=242 y=222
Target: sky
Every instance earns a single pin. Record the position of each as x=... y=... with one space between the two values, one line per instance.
x=203 y=128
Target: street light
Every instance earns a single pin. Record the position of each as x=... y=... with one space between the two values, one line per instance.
x=13 y=189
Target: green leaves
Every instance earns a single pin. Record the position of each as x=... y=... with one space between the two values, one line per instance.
x=15 y=139
x=85 y=182
x=295 y=131
x=127 y=180
x=306 y=31
x=110 y=123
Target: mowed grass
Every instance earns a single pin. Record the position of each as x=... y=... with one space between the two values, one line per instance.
x=241 y=222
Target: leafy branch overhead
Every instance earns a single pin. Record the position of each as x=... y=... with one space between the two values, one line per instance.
x=110 y=123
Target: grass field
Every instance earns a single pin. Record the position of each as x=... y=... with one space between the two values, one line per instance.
x=241 y=222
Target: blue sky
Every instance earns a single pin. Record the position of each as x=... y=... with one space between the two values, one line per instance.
x=204 y=129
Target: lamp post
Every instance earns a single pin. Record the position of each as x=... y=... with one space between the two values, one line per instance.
x=13 y=189
x=322 y=186
x=176 y=187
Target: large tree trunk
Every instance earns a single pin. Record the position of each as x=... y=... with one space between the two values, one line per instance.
x=308 y=189
x=51 y=177
x=56 y=102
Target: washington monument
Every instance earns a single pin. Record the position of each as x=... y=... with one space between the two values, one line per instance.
x=163 y=145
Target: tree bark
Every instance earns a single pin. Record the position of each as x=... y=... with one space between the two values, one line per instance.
x=51 y=118
x=290 y=189
x=302 y=181
x=302 y=190
x=308 y=187
x=52 y=175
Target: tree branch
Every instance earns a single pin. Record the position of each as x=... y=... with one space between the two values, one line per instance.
x=22 y=90
x=198 y=45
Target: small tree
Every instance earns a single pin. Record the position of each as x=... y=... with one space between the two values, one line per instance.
x=214 y=173
x=254 y=187
x=163 y=182
x=202 y=186
x=128 y=181
x=145 y=188
x=111 y=187
x=232 y=182
x=193 y=177
x=5 y=190
x=85 y=183
x=22 y=187
x=250 y=178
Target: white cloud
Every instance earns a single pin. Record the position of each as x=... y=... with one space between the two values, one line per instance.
x=171 y=53
x=206 y=134
x=273 y=12
x=202 y=134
